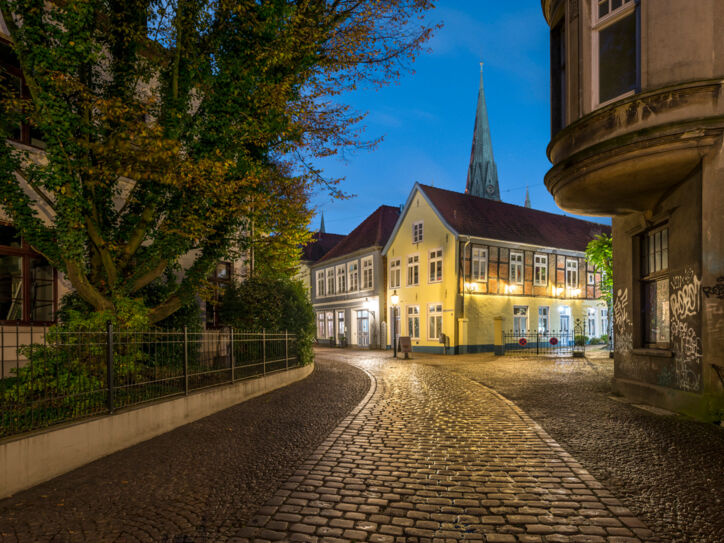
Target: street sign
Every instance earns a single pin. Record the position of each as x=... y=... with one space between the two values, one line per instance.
x=554 y=341
x=522 y=342
x=405 y=344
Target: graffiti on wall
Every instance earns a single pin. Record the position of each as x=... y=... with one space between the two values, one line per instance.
x=623 y=326
x=715 y=291
x=684 y=308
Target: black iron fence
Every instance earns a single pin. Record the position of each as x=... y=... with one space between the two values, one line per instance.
x=528 y=342
x=48 y=376
x=546 y=342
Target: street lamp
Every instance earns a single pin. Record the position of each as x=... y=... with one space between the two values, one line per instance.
x=395 y=299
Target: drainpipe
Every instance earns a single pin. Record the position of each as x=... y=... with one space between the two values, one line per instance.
x=465 y=250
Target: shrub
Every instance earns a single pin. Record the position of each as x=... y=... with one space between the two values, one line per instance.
x=271 y=304
x=580 y=340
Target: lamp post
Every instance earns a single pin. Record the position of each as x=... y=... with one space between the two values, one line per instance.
x=395 y=299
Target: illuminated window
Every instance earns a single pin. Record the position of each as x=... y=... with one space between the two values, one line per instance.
x=520 y=319
x=540 y=270
x=479 y=271
x=516 y=267
x=572 y=274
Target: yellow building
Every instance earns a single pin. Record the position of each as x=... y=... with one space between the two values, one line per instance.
x=458 y=262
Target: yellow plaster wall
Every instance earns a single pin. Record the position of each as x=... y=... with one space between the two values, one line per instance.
x=481 y=309
x=435 y=235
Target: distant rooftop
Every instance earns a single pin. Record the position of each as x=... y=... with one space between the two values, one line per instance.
x=321 y=244
x=474 y=216
x=374 y=231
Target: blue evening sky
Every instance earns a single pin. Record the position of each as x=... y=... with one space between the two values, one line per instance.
x=427 y=118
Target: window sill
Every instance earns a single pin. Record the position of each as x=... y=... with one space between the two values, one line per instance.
x=658 y=353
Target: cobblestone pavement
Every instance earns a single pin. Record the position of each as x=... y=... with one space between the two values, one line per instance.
x=668 y=470
x=430 y=455
x=198 y=483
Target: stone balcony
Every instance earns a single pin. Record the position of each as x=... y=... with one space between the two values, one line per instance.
x=625 y=156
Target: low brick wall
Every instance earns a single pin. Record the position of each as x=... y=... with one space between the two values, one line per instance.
x=26 y=461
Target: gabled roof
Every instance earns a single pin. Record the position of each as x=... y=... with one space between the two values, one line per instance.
x=320 y=245
x=374 y=231
x=470 y=215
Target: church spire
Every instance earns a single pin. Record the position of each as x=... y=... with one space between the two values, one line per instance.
x=527 y=198
x=482 y=172
x=321 y=225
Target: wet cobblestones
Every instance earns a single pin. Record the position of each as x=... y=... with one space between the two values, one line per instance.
x=198 y=483
x=430 y=456
x=667 y=469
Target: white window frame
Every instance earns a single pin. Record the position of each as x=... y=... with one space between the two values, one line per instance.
x=591 y=317
x=368 y=272
x=544 y=319
x=353 y=276
x=571 y=270
x=341 y=279
x=321 y=325
x=321 y=281
x=417 y=231
x=479 y=264
x=434 y=265
x=395 y=273
x=599 y=23
x=540 y=264
x=590 y=278
x=434 y=321
x=331 y=281
x=330 y=324
x=519 y=265
x=341 y=323
x=517 y=319
x=413 y=261
x=413 y=313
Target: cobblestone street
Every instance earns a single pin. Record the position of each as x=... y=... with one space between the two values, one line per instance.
x=436 y=451
x=430 y=455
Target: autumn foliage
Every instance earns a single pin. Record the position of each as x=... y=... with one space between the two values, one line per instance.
x=172 y=130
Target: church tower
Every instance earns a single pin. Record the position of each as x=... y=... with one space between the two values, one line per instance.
x=482 y=172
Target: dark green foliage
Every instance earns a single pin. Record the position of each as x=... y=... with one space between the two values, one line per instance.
x=580 y=340
x=271 y=304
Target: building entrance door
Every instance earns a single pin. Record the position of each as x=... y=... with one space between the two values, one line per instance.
x=363 y=328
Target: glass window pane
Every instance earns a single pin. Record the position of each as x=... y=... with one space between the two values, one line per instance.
x=656 y=311
x=617 y=58
x=11 y=288
x=615 y=4
x=41 y=290
x=9 y=236
x=603 y=8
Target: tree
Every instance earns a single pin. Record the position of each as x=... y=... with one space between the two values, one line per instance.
x=176 y=128
x=599 y=252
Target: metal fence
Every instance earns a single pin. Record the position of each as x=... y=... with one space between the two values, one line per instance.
x=548 y=342
x=528 y=342
x=48 y=376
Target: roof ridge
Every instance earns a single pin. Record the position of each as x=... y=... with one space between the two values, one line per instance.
x=500 y=202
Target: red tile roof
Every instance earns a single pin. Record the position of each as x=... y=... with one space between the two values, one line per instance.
x=474 y=216
x=320 y=245
x=374 y=231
